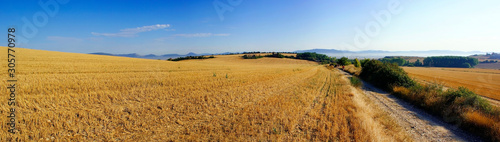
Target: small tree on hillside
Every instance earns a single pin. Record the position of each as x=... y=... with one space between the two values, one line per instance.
x=357 y=63
x=364 y=61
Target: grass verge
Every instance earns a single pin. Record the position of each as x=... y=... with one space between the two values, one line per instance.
x=460 y=107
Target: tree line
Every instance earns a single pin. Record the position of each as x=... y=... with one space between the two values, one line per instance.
x=435 y=61
x=451 y=61
x=190 y=57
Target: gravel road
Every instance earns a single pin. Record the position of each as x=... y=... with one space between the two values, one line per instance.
x=419 y=124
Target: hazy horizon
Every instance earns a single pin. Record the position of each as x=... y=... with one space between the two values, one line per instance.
x=180 y=27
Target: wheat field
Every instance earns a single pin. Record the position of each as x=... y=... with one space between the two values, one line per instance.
x=81 y=97
x=485 y=82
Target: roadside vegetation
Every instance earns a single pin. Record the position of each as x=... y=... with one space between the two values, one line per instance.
x=484 y=82
x=356 y=82
x=461 y=106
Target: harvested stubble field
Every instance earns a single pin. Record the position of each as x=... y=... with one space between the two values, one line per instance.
x=485 y=82
x=80 y=97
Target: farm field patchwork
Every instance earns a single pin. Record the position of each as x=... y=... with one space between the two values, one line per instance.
x=69 y=96
x=485 y=82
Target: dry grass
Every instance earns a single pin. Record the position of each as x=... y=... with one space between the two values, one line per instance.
x=352 y=69
x=488 y=66
x=381 y=126
x=484 y=82
x=80 y=97
x=459 y=107
x=484 y=122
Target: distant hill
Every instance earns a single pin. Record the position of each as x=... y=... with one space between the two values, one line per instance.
x=150 y=56
x=489 y=57
x=381 y=53
x=330 y=52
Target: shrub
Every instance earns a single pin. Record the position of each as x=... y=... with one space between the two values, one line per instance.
x=344 y=61
x=463 y=97
x=251 y=57
x=276 y=55
x=364 y=61
x=461 y=107
x=357 y=63
x=466 y=65
x=385 y=75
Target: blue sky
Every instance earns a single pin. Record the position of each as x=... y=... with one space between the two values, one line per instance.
x=182 y=26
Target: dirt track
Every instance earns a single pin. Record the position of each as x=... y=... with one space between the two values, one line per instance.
x=420 y=125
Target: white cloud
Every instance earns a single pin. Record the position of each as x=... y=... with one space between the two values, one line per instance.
x=200 y=35
x=131 y=32
x=64 y=39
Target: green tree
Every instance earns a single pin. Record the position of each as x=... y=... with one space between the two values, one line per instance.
x=418 y=63
x=357 y=63
x=364 y=61
x=399 y=61
x=344 y=61
x=450 y=61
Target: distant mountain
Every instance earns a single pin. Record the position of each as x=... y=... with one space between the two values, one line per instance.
x=150 y=56
x=381 y=53
x=100 y=53
x=191 y=54
x=133 y=55
x=329 y=52
x=322 y=51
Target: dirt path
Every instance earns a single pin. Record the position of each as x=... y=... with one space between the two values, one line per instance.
x=419 y=124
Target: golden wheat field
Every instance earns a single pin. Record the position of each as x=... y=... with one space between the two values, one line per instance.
x=81 y=97
x=485 y=82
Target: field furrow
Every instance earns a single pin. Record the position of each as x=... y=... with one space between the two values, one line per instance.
x=79 y=97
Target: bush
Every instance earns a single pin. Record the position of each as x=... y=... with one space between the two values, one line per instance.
x=276 y=55
x=251 y=57
x=463 y=97
x=466 y=65
x=357 y=63
x=385 y=75
x=364 y=61
x=344 y=61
